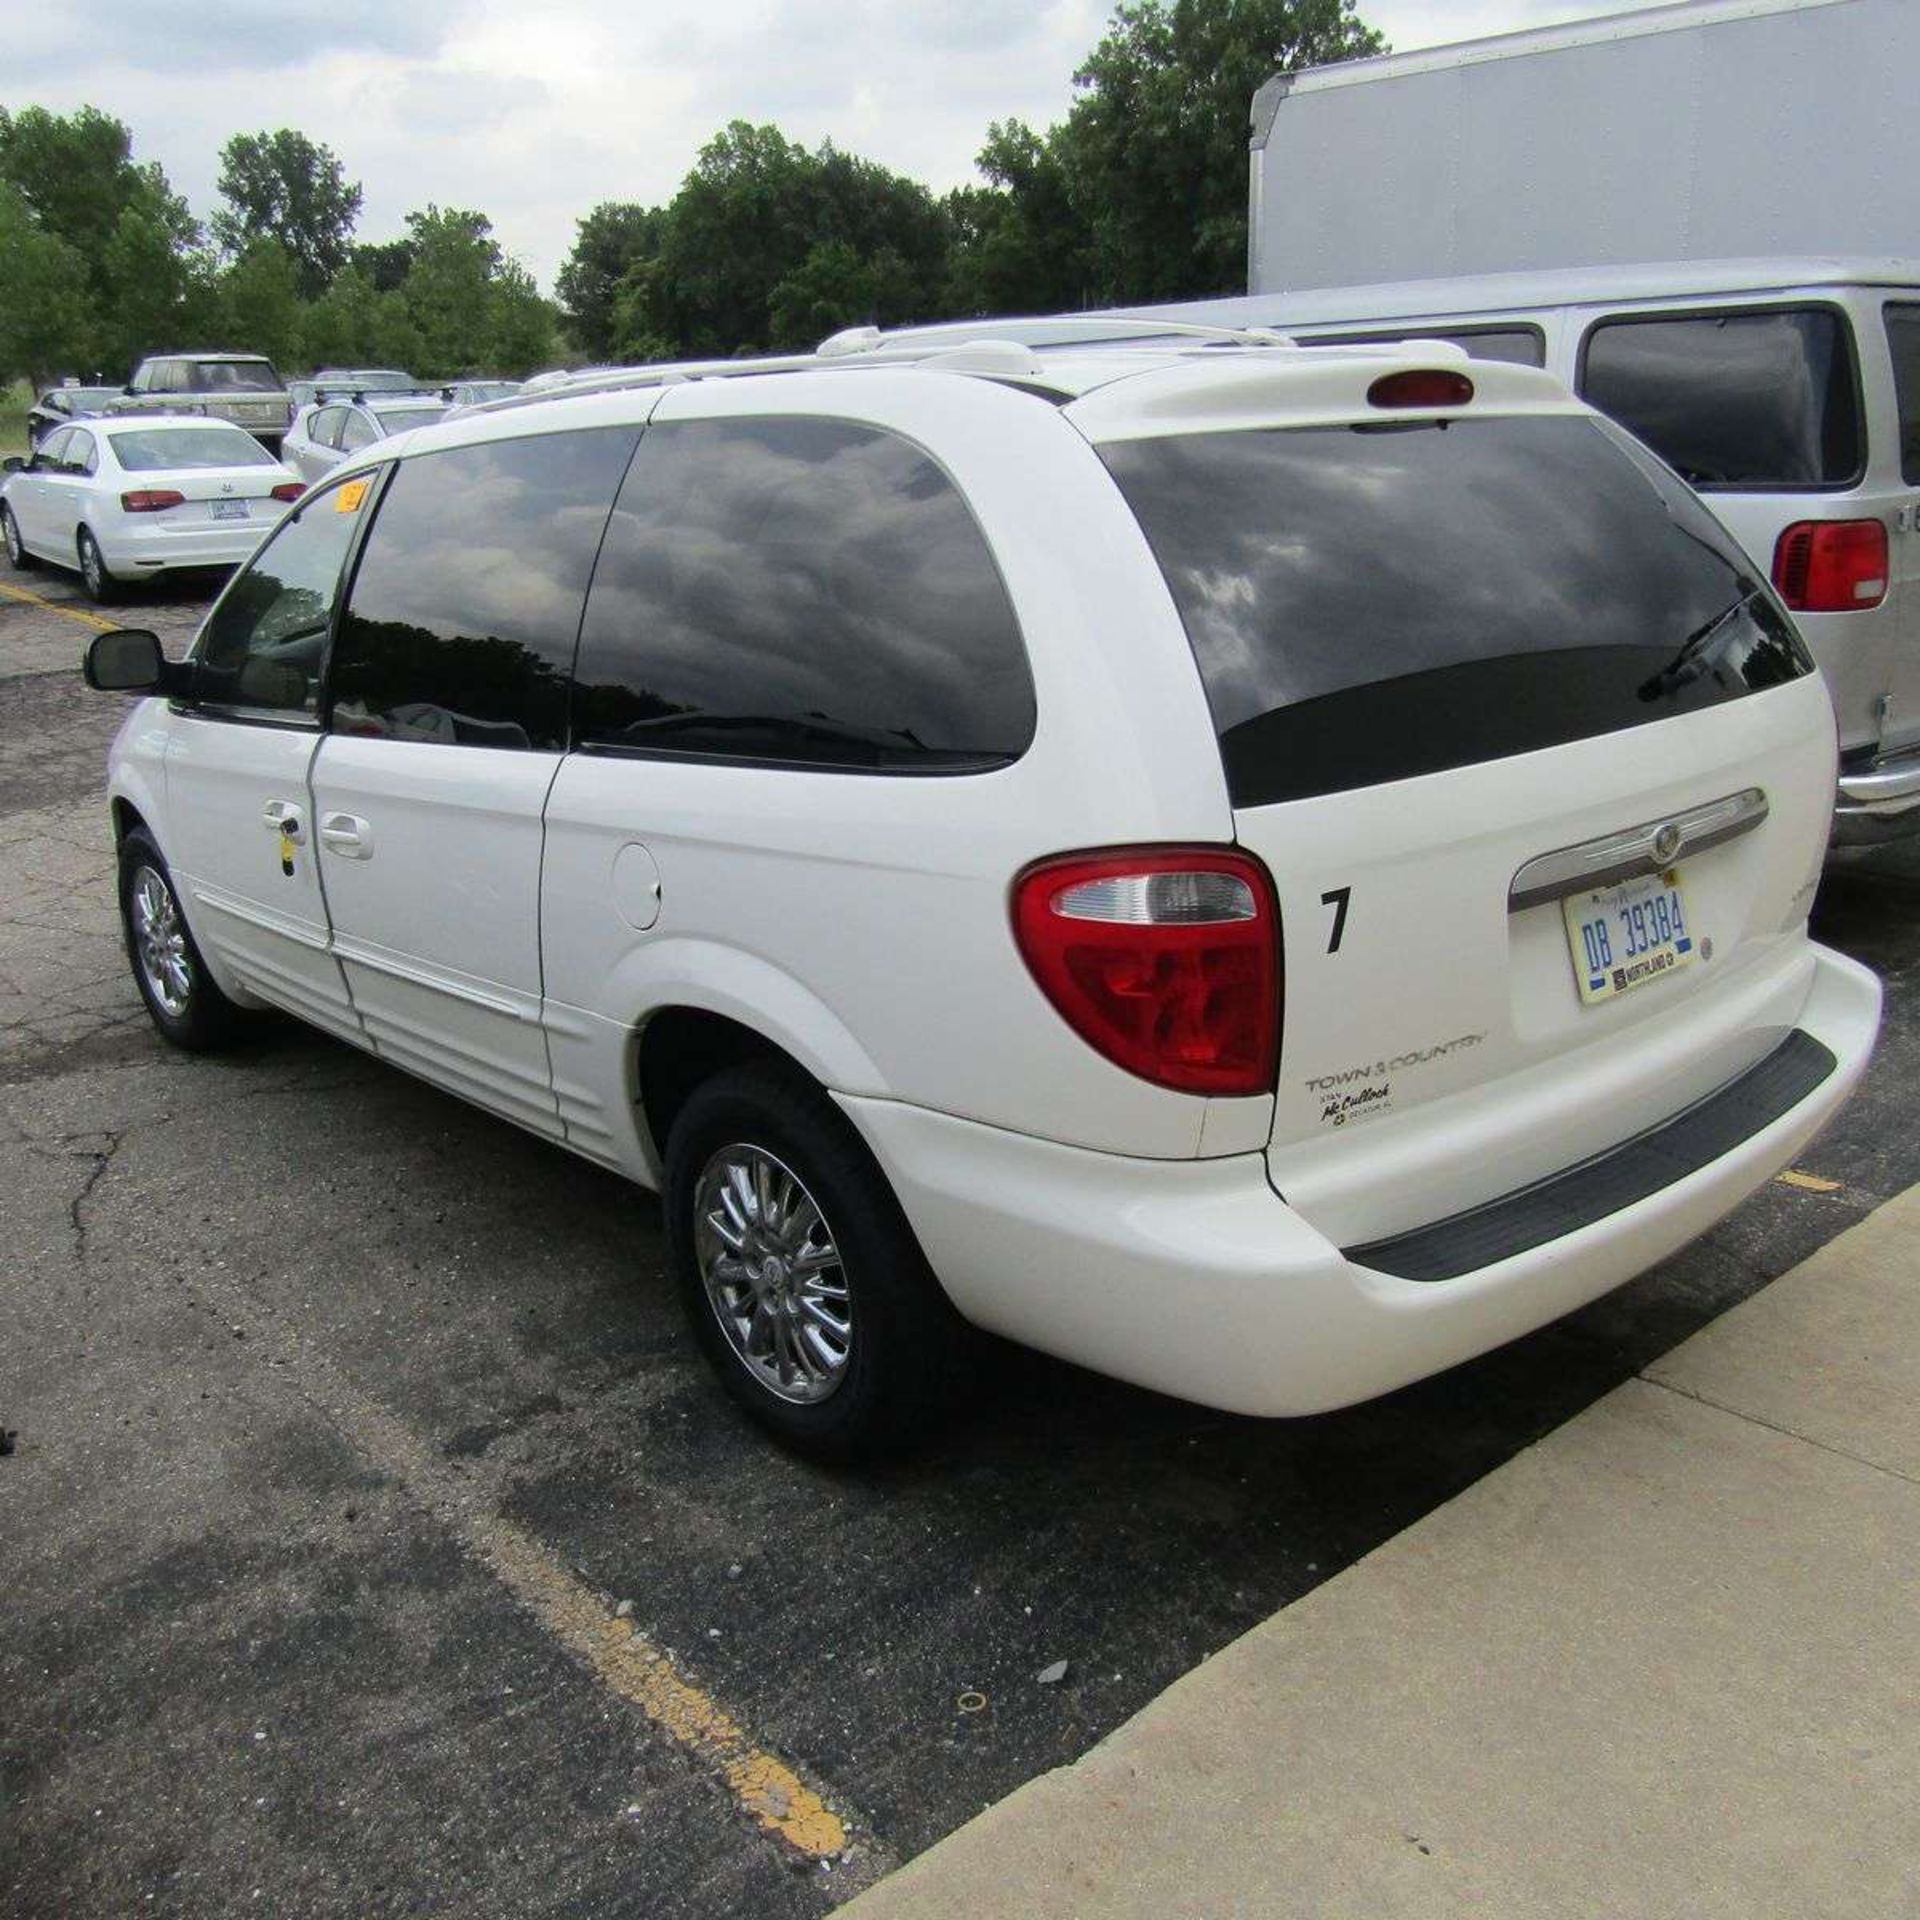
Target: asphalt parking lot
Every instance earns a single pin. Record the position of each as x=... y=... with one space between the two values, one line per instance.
x=373 y=1543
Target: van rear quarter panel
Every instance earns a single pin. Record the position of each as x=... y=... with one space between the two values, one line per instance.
x=861 y=921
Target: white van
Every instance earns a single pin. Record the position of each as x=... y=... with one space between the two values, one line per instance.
x=926 y=814
x=1786 y=391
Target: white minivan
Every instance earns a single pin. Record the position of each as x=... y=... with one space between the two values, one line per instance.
x=1262 y=872
x=1787 y=391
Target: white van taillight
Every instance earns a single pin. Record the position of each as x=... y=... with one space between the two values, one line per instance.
x=1165 y=960
x=1831 y=566
x=151 y=500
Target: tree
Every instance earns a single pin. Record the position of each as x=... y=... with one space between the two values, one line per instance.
x=260 y=303
x=136 y=241
x=610 y=240
x=1020 y=245
x=758 y=210
x=446 y=289
x=43 y=319
x=282 y=187
x=385 y=263
x=1155 y=147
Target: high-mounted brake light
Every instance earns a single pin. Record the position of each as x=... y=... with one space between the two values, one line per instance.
x=1421 y=387
x=288 y=490
x=1831 y=566
x=151 y=500
x=1165 y=960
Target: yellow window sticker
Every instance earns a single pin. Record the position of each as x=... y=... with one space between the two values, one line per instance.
x=348 y=499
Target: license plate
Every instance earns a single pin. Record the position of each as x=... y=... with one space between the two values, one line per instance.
x=228 y=509
x=1622 y=937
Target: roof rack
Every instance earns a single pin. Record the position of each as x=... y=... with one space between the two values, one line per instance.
x=1001 y=349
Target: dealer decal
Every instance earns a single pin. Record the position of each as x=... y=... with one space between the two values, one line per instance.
x=1364 y=1092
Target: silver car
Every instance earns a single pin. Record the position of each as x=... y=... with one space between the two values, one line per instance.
x=326 y=430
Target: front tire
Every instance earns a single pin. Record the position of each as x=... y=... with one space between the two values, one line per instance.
x=803 y=1282
x=102 y=588
x=17 y=555
x=185 y=1004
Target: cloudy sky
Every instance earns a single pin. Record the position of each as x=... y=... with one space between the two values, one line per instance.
x=533 y=113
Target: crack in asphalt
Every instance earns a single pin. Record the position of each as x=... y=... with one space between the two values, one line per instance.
x=102 y=1159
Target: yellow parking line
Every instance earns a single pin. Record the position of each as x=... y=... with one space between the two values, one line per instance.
x=1806 y=1182
x=624 y=1659
x=53 y=606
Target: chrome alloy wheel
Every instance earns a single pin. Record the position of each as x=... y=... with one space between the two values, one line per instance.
x=93 y=570
x=11 y=533
x=160 y=942
x=772 y=1274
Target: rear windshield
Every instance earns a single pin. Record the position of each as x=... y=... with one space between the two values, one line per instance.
x=153 y=448
x=1374 y=602
x=1735 y=399
x=397 y=419
x=233 y=376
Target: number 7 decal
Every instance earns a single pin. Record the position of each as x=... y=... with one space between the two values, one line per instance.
x=1337 y=900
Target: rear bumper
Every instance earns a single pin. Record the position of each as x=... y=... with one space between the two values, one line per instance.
x=1196 y=1279
x=130 y=553
x=1879 y=799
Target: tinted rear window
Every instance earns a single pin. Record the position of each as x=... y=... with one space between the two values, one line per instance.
x=799 y=592
x=465 y=606
x=232 y=376
x=1371 y=603
x=1735 y=399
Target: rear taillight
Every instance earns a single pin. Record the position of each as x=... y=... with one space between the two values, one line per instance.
x=1165 y=960
x=152 y=500
x=288 y=490
x=1831 y=566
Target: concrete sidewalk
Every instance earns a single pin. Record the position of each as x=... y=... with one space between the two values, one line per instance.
x=1666 y=1662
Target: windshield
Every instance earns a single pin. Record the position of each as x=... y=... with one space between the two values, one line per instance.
x=153 y=448
x=1372 y=602
x=233 y=376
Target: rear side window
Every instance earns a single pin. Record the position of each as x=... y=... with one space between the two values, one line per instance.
x=1903 y=341
x=465 y=606
x=1375 y=602
x=801 y=592
x=1520 y=346
x=1761 y=400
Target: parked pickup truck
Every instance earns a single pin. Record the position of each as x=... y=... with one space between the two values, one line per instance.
x=241 y=387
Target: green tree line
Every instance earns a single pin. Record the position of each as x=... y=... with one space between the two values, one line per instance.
x=1138 y=194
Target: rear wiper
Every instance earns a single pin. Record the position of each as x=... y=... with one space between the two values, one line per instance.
x=1689 y=662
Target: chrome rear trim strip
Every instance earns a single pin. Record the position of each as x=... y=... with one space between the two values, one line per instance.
x=1648 y=848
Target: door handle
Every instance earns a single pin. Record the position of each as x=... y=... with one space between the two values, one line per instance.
x=347 y=835
x=282 y=817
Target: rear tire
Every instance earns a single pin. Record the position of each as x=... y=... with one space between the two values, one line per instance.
x=102 y=588
x=181 y=995
x=17 y=555
x=804 y=1284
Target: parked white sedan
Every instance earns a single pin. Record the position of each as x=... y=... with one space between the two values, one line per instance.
x=122 y=500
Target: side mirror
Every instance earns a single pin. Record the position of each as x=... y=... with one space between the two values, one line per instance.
x=129 y=660
x=12 y=464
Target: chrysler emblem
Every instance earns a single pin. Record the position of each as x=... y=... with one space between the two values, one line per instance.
x=1666 y=843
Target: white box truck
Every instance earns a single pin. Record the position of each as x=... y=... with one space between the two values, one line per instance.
x=1708 y=131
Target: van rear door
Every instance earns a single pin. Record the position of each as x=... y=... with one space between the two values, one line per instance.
x=1540 y=769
